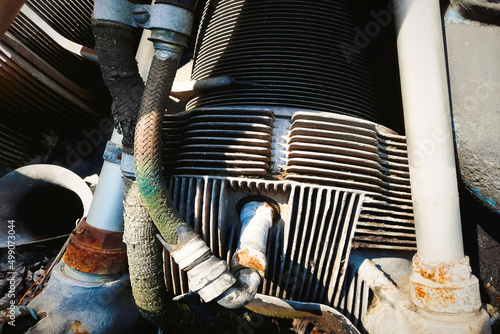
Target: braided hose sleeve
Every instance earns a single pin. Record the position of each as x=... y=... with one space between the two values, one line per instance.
x=145 y=261
x=148 y=145
x=147 y=280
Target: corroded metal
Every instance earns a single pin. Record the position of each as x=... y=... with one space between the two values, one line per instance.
x=96 y=251
x=444 y=287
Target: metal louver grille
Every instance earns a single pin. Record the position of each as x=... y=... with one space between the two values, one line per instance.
x=215 y=141
x=301 y=268
x=348 y=152
x=71 y=18
x=45 y=92
x=42 y=46
x=355 y=298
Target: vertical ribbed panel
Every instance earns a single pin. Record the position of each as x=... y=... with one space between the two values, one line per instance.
x=307 y=251
x=355 y=298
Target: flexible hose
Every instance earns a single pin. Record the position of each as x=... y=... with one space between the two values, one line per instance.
x=146 y=267
x=116 y=46
x=147 y=280
x=148 y=145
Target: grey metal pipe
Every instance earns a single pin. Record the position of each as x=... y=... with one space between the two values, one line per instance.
x=249 y=261
x=324 y=318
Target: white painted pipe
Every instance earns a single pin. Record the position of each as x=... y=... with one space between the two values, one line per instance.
x=62 y=41
x=106 y=210
x=428 y=130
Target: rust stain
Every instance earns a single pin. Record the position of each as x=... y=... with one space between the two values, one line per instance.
x=431 y=296
x=443 y=276
x=78 y=328
x=421 y=293
x=96 y=251
x=439 y=275
x=243 y=258
x=446 y=295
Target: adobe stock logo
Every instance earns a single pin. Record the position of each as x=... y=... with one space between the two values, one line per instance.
x=85 y=147
x=363 y=36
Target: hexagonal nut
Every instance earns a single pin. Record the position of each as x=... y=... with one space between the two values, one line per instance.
x=210 y=278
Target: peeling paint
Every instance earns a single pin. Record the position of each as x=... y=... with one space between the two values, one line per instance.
x=488 y=200
x=78 y=328
x=453 y=16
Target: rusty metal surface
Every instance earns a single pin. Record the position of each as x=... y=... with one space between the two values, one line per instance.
x=245 y=258
x=444 y=287
x=96 y=251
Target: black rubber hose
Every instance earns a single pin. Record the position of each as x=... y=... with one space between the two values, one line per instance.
x=116 y=46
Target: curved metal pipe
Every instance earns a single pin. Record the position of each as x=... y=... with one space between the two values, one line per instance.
x=243 y=291
x=32 y=195
x=324 y=317
x=249 y=261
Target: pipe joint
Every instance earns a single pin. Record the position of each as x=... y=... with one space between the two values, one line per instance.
x=208 y=275
x=444 y=288
x=96 y=251
x=187 y=256
x=210 y=279
x=168 y=22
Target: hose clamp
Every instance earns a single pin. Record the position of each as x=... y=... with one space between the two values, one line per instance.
x=208 y=276
x=115 y=11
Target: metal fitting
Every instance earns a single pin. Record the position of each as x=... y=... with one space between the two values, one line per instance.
x=444 y=288
x=115 y=11
x=169 y=23
x=210 y=278
x=208 y=275
x=112 y=153
x=96 y=251
x=189 y=253
x=256 y=219
x=127 y=165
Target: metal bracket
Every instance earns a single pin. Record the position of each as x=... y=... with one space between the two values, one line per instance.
x=116 y=11
x=112 y=153
x=127 y=165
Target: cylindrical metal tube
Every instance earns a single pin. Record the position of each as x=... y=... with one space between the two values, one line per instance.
x=428 y=130
x=256 y=220
x=106 y=210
